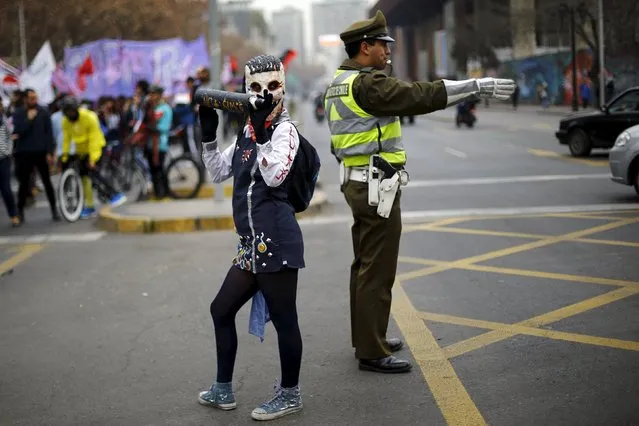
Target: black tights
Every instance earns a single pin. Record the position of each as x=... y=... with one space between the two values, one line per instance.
x=280 y=292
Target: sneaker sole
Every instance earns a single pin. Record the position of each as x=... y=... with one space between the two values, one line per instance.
x=265 y=417
x=119 y=203
x=223 y=407
x=406 y=369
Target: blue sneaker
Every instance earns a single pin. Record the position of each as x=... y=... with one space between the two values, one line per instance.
x=117 y=200
x=87 y=213
x=219 y=396
x=286 y=401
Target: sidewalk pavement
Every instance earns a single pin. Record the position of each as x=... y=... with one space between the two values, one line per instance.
x=202 y=214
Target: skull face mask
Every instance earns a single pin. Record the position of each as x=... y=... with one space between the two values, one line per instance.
x=266 y=72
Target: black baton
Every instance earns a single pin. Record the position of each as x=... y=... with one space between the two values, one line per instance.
x=228 y=101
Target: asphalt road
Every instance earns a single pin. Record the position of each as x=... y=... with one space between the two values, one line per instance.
x=517 y=297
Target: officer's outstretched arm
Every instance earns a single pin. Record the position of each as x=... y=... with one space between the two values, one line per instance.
x=383 y=96
x=459 y=91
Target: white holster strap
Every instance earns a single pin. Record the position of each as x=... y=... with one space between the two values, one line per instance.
x=387 y=191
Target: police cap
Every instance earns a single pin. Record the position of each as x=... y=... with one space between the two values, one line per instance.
x=368 y=29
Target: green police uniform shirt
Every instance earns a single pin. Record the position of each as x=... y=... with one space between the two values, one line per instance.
x=382 y=96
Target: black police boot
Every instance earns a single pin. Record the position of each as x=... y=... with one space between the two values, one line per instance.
x=388 y=365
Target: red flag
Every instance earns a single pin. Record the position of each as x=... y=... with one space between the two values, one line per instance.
x=85 y=69
x=287 y=57
x=233 y=60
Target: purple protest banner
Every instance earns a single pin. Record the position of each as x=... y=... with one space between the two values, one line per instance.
x=119 y=64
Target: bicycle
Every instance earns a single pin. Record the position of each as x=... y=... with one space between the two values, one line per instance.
x=70 y=191
x=184 y=173
x=126 y=166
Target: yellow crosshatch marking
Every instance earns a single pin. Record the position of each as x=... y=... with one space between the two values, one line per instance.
x=23 y=253
x=449 y=392
x=552 y=154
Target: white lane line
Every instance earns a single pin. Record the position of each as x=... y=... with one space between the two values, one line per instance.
x=53 y=238
x=498 y=180
x=456 y=153
x=514 y=211
x=490 y=180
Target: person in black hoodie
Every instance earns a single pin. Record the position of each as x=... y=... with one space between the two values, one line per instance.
x=34 y=147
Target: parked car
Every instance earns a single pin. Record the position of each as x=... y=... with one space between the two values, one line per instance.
x=599 y=129
x=624 y=158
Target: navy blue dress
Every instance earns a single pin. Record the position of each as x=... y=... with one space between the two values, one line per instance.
x=270 y=237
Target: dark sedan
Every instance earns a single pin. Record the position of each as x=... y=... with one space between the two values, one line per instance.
x=599 y=129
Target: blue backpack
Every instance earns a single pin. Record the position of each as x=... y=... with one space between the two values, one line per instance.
x=303 y=175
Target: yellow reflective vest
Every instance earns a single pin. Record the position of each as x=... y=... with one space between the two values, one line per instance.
x=356 y=134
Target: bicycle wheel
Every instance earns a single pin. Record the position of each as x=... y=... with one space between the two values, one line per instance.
x=185 y=177
x=70 y=195
x=132 y=182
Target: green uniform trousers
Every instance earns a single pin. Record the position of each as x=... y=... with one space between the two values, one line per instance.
x=376 y=248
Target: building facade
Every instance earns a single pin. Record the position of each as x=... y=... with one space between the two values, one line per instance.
x=288 y=28
x=329 y=18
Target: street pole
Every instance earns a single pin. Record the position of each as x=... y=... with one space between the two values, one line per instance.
x=214 y=54
x=23 y=37
x=602 y=77
x=573 y=47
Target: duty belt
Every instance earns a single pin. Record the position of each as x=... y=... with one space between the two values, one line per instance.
x=360 y=174
x=383 y=181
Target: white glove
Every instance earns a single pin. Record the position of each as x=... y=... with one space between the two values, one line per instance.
x=499 y=88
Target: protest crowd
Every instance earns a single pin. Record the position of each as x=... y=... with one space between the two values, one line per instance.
x=122 y=120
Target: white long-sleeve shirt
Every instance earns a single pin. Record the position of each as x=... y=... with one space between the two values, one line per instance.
x=274 y=158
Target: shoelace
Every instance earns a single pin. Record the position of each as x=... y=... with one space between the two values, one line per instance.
x=279 y=396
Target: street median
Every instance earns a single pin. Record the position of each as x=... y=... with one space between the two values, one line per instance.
x=179 y=216
x=206 y=191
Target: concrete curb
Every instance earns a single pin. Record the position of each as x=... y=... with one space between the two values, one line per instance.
x=206 y=191
x=111 y=221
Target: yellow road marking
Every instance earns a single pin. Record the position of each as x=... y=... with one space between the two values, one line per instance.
x=448 y=391
x=553 y=154
x=545 y=242
x=508 y=271
x=469 y=231
x=544 y=153
x=26 y=251
x=607 y=242
x=533 y=331
x=470 y=261
x=583 y=216
x=486 y=232
x=542 y=126
x=430 y=225
x=477 y=342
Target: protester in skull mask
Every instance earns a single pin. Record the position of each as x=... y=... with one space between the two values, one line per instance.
x=271 y=250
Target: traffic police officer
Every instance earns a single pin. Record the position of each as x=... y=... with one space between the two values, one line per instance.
x=362 y=105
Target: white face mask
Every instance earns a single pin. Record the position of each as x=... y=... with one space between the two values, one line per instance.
x=273 y=81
